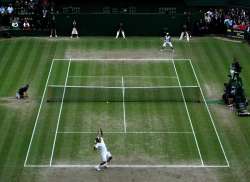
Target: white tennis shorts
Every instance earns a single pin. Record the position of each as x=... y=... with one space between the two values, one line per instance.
x=74 y=31
x=167 y=43
x=105 y=156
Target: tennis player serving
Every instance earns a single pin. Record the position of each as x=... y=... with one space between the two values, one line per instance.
x=104 y=153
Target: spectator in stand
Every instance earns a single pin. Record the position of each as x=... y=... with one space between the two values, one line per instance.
x=217 y=20
x=26 y=25
x=2 y=10
x=44 y=20
x=14 y=23
x=248 y=29
x=228 y=22
x=207 y=18
x=10 y=9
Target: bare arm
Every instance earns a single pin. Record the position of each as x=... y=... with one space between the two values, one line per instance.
x=99 y=133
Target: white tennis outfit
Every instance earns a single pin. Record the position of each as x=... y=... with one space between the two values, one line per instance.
x=167 y=41
x=101 y=147
x=74 y=31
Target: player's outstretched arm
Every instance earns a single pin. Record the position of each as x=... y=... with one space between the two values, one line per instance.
x=99 y=133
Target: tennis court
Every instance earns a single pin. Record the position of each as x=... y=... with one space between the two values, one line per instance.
x=153 y=114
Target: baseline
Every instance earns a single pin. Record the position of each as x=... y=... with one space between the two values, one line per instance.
x=127 y=166
x=127 y=132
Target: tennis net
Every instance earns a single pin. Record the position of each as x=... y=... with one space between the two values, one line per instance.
x=120 y=94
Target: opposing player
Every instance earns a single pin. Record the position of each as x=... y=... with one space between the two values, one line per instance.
x=120 y=30
x=104 y=153
x=185 y=33
x=167 y=41
x=74 y=32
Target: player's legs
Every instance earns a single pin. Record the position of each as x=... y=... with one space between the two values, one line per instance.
x=164 y=45
x=123 y=34
x=181 y=37
x=18 y=96
x=109 y=157
x=117 y=34
x=187 y=35
x=51 y=32
x=170 y=45
x=55 y=32
x=103 y=164
x=74 y=33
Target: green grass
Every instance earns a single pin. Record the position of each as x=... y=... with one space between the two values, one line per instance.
x=28 y=60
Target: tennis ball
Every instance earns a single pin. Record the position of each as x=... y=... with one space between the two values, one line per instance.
x=107 y=102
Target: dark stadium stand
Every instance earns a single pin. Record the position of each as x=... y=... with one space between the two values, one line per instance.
x=91 y=14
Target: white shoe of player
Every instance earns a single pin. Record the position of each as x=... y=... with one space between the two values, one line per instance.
x=97 y=168
x=105 y=166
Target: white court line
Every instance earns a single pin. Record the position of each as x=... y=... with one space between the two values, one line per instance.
x=100 y=86
x=128 y=132
x=127 y=166
x=115 y=76
x=59 y=116
x=210 y=115
x=120 y=59
x=38 y=114
x=123 y=104
x=187 y=111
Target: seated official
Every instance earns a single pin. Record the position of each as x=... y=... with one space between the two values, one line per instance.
x=22 y=92
x=235 y=68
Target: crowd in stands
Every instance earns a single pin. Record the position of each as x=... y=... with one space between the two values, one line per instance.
x=26 y=14
x=217 y=20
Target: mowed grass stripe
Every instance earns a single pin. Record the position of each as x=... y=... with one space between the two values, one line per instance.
x=219 y=59
x=199 y=125
x=23 y=115
x=66 y=116
x=39 y=68
x=23 y=66
x=4 y=48
x=201 y=62
x=8 y=138
x=44 y=126
x=14 y=51
x=202 y=123
x=7 y=47
x=5 y=124
x=68 y=119
x=15 y=68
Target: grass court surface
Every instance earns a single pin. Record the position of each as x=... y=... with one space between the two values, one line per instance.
x=192 y=137
x=148 y=111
